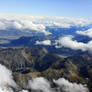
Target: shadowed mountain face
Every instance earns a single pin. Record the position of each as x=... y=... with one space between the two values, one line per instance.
x=19 y=59
x=30 y=62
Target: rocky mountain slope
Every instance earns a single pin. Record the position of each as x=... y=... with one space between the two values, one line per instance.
x=29 y=62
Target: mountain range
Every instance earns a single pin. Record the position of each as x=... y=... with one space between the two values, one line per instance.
x=50 y=48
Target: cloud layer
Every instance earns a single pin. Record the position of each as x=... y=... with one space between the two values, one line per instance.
x=63 y=85
x=6 y=77
x=22 y=25
x=6 y=80
x=86 y=33
x=40 y=84
x=45 y=42
x=29 y=23
x=68 y=42
x=67 y=86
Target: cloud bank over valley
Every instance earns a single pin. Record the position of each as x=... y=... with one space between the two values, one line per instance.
x=27 y=23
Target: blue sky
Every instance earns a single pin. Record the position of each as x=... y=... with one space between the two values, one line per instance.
x=65 y=8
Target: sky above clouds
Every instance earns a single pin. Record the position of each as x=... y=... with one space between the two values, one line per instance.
x=66 y=8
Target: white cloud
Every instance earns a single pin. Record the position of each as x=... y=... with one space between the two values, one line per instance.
x=6 y=80
x=24 y=91
x=22 y=25
x=39 y=23
x=67 y=86
x=6 y=77
x=63 y=85
x=86 y=33
x=62 y=25
x=6 y=89
x=45 y=42
x=68 y=42
x=40 y=84
x=29 y=25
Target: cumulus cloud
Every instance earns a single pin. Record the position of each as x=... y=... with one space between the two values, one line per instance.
x=63 y=85
x=45 y=42
x=67 y=86
x=24 y=91
x=7 y=84
x=22 y=25
x=86 y=33
x=29 y=23
x=40 y=84
x=6 y=80
x=68 y=42
x=6 y=77
x=62 y=25
x=6 y=89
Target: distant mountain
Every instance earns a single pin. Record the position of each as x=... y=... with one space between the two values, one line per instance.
x=31 y=41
